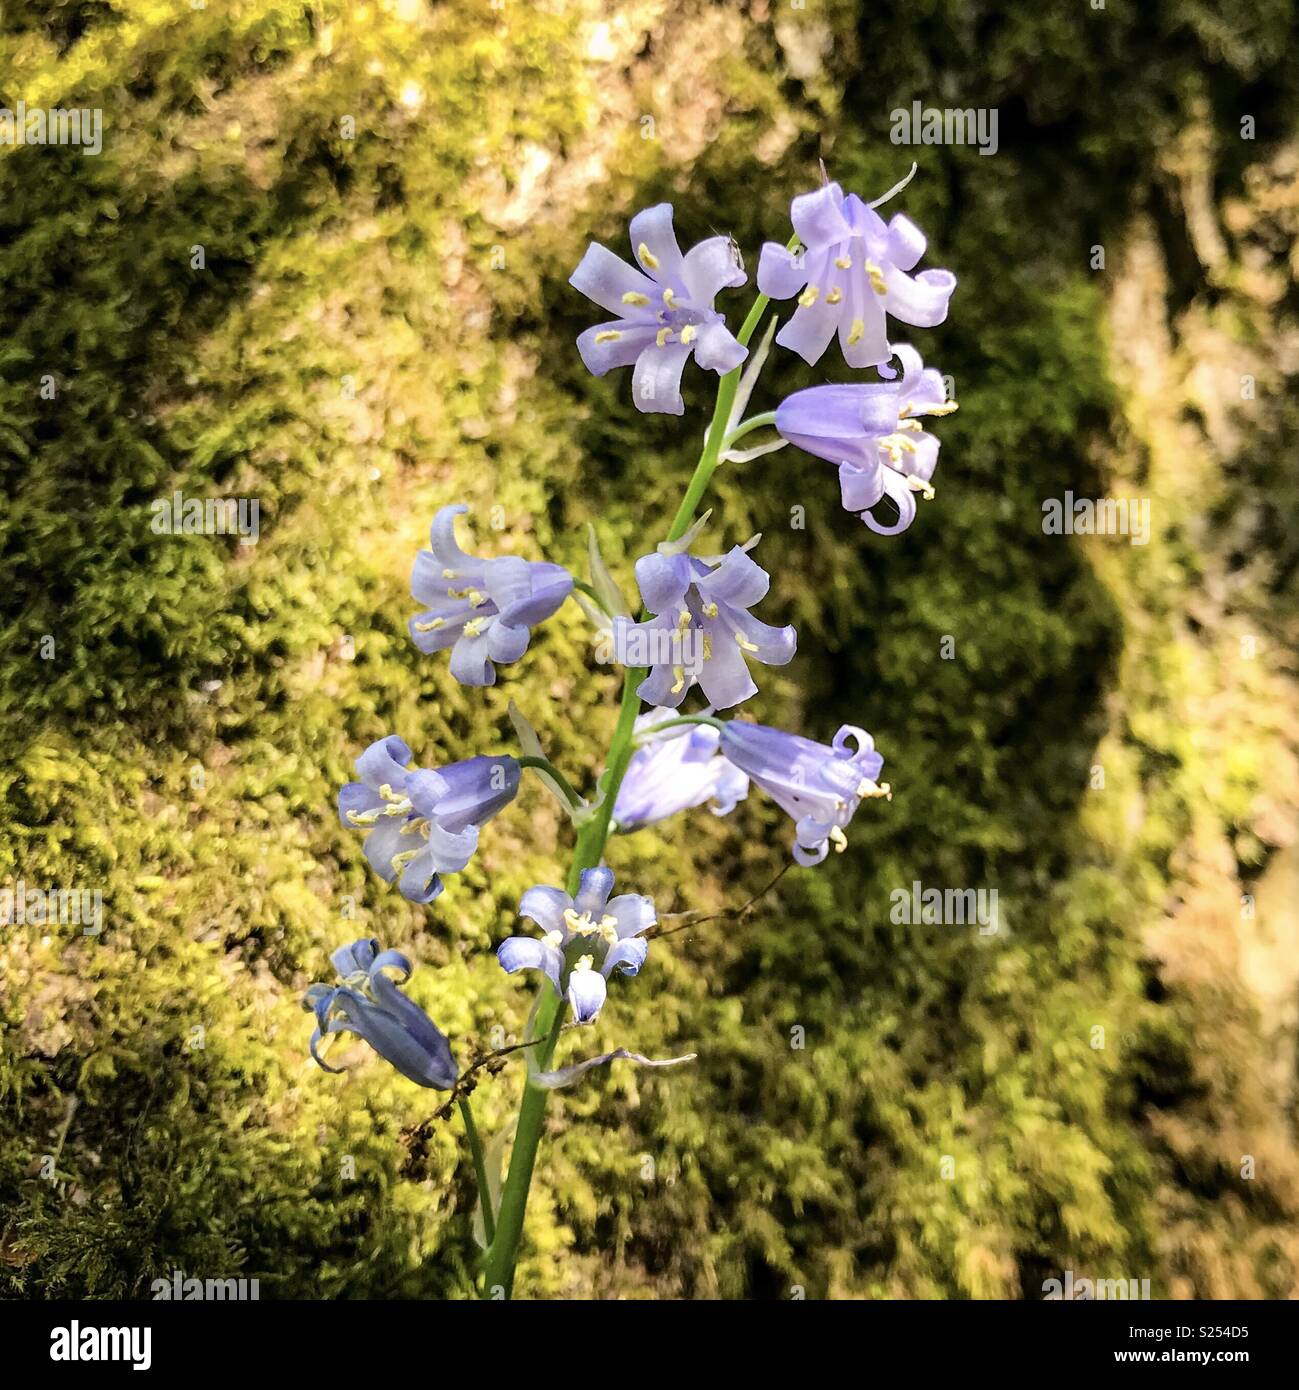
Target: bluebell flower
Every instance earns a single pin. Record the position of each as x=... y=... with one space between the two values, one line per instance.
x=701 y=630
x=676 y=771
x=586 y=939
x=872 y=431
x=369 y=1004
x=484 y=610
x=664 y=309
x=819 y=787
x=851 y=274
x=423 y=823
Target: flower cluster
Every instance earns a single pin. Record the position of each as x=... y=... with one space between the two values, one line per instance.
x=850 y=272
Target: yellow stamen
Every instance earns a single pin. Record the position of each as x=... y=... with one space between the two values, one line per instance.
x=430 y=626
x=448 y=574
x=876 y=277
x=710 y=610
x=662 y=336
x=670 y=297
x=866 y=789
x=809 y=296
x=635 y=297
x=923 y=488
x=647 y=258
x=680 y=674
x=839 y=840
x=743 y=643
x=474 y=627
x=689 y=333
x=610 y=335
x=364 y=818
x=843 y=262
x=708 y=647
x=857 y=332
x=945 y=409
x=834 y=296
x=584 y=963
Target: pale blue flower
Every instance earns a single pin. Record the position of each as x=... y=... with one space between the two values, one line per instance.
x=819 y=787
x=849 y=277
x=423 y=823
x=676 y=771
x=664 y=310
x=586 y=939
x=484 y=610
x=369 y=1004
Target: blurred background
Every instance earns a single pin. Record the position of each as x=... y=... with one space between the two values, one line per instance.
x=321 y=262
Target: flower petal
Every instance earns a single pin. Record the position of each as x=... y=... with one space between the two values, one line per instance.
x=384 y=762
x=739 y=581
x=708 y=267
x=525 y=953
x=717 y=349
x=781 y=273
x=652 y=229
x=601 y=353
x=586 y=994
x=906 y=242
x=818 y=217
x=633 y=912
x=626 y=956
x=593 y=892
x=546 y=907
x=922 y=301
x=656 y=379
x=605 y=278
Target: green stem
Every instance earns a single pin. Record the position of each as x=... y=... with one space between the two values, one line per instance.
x=754 y=422
x=549 y=768
x=502 y=1254
x=718 y=724
x=480 y=1170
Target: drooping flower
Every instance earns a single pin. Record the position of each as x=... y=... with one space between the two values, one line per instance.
x=701 y=630
x=586 y=939
x=369 y=1004
x=664 y=310
x=484 y=610
x=423 y=823
x=676 y=771
x=872 y=432
x=851 y=274
x=819 y=787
